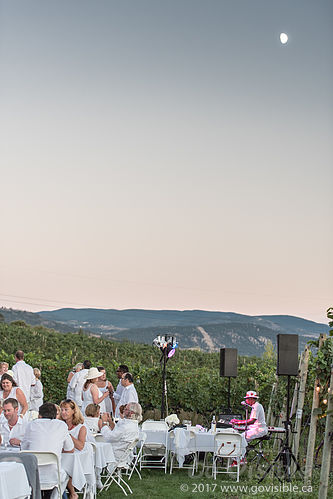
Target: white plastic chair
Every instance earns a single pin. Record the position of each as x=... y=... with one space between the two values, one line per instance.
x=192 y=449
x=155 y=446
x=227 y=446
x=45 y=459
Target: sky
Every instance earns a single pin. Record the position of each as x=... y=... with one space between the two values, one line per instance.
x=167 y=155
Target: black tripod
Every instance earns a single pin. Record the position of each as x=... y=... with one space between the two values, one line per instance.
x=285 y=457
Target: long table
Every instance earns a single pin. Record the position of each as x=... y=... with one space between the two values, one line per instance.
x=13 y=481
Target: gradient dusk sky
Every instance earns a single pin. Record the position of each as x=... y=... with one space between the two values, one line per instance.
x=167 y=155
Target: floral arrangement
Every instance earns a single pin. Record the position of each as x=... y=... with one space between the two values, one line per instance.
x=172 y=420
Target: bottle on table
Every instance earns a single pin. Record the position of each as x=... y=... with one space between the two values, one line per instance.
x=213 y=424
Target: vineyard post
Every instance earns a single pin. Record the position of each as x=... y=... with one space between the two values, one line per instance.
x=313 y=424
x=270 y=416
x=300 y=403
x=282 y=416
x=326 y=459
x=296 y=389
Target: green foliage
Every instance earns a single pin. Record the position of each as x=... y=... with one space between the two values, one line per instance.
x=193 y=380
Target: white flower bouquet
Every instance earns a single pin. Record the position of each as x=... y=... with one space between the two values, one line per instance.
x=172 y=420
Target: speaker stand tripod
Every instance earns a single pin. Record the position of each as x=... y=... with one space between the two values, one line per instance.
x=285 y=457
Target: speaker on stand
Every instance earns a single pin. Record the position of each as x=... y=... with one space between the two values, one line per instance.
x=228 y=367
x=287 y=365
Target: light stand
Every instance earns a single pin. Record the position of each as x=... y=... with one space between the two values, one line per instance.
x=167 y=346
x=164 y=385
x=285 y=456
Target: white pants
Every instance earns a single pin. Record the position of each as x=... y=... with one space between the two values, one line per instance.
x=255 y=432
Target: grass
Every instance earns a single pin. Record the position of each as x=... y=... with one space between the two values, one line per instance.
x=181 y=485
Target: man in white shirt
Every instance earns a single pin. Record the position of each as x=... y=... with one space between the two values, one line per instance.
x=23 y=374
x=13 y=426
x=256 y=422
x=122 y=369
x=123 y=432
x=77 y=382
x=129 y=393
x=48 y=434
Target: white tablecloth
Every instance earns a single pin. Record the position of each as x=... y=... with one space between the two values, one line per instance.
x=104 y=455
x=80 y=466
x=204 y=440
x=13 y=481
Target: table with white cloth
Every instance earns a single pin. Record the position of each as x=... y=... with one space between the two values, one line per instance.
x=104 y=455
x=13 y=481
x=204 y=440
x=80 y=466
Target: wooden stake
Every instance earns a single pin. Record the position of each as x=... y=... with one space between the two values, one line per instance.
x=313 y=425
x=325 y=462
x=270 y=415
x=300 y=403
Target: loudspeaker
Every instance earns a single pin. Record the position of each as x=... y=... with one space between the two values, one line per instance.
x=287 y=359
x=228 y=362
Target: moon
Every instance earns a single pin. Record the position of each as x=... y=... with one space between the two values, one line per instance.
x=283 y=38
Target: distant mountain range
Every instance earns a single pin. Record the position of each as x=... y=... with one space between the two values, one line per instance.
x=201 y=329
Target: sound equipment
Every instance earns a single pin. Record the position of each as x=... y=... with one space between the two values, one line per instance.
x=287 y=360
x=224 y=420
x=228 y=362
x=271 y=429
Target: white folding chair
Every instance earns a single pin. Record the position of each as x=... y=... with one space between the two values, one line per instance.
x=154 y=452
x=191 y=447
x=227 y=446
x=45 y=459
x=137 y=456
x=99 y=438
x=114 y=470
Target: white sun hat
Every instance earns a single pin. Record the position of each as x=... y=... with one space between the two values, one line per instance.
x=251 y=395
x=93 y=373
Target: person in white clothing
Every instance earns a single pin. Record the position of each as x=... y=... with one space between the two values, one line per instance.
x=71 y=414
x=9 y=389
x=104 y=385
x=91 y=417
x=4 y=366
x=123 y=432
x=91 y=394
x=77 y=382
x=23 y=374
x=70 y=393
x=129 y=393
x=256 y=421
x=48 y=434
x=122 y=369
x=36 y=393
x=13 y=426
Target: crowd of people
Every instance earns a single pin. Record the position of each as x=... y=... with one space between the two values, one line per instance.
x=91 y=405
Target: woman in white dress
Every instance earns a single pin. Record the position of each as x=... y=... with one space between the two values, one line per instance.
x=105 y=385
x=9 y=389
x=91 y=394
x=71 y=414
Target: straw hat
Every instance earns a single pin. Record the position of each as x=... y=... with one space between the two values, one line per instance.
x=93 y=373
x=10 y=372
x=251 y=395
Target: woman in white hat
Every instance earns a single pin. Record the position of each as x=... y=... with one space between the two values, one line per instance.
x=91 y=394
